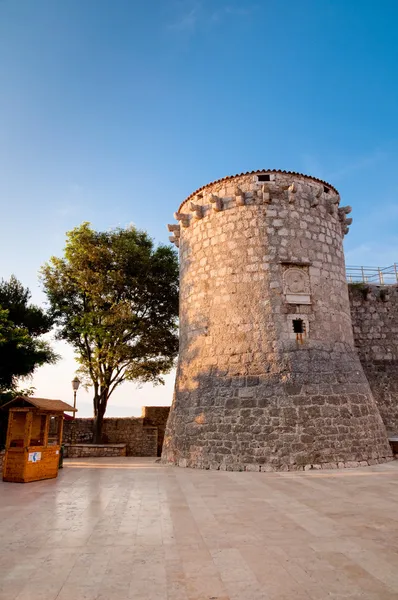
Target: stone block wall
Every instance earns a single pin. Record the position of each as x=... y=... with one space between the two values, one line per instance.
x=94 y=450
x=374 y=313
x=139 y=434
x=156 y=416
x=149 y=442
x=130 y=431
x=79 y=431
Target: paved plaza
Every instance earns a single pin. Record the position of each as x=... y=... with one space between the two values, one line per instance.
x=128 y=528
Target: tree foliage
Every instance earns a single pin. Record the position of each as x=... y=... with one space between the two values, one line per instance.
x=115 y=299
x=22 y=348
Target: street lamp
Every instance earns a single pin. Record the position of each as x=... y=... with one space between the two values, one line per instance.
x=75 y=387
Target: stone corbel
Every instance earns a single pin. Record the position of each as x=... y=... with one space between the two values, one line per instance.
x=197 y=209
x=345 y=223
x=216 y=203
x=263 y=194
x=174 y=240
x=174 y=229
x=183 y=218
x=291 y=191
x=333 y=204
x=316 y=197
x=240 y=197
x=344 y=210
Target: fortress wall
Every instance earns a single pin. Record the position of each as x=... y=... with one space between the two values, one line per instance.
x=374 y=313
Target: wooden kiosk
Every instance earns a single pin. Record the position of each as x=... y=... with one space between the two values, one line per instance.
x=34 y=438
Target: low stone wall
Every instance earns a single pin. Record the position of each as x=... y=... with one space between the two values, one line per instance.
x=143 y=436
x=93 y=450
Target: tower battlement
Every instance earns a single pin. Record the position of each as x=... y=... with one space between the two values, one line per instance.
x=261 y=188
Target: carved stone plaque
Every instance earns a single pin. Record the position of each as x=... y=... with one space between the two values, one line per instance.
x=296 y=285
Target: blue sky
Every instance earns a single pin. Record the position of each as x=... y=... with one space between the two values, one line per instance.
x=113 y=111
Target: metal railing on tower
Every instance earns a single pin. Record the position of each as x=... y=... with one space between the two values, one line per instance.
x=373 y=275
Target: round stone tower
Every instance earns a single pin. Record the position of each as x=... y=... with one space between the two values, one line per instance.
x=268 y=377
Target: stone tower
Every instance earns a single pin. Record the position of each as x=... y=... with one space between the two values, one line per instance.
x=268 y=377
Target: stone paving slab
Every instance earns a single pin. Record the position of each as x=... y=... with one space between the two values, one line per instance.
x=128 y=528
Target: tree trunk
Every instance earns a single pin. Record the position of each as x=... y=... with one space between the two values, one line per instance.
x=98 y=421
x=96 y=399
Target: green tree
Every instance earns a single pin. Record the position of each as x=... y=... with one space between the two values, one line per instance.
x=22 y=348
x=114 y=297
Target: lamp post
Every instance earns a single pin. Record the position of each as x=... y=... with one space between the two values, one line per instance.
x=75 y=387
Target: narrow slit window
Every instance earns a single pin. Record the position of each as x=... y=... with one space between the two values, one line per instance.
x=298 y=326
x=263 y=178
x=325 y=189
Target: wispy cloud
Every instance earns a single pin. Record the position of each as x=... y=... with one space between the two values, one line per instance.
x=230 y=11
x=373 y=253
x=187 y=17
x=379 y=217
x=313 y=166
x=363 y=162
x=195 y=14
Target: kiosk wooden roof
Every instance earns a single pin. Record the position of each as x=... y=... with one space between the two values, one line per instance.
x=43 y=404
